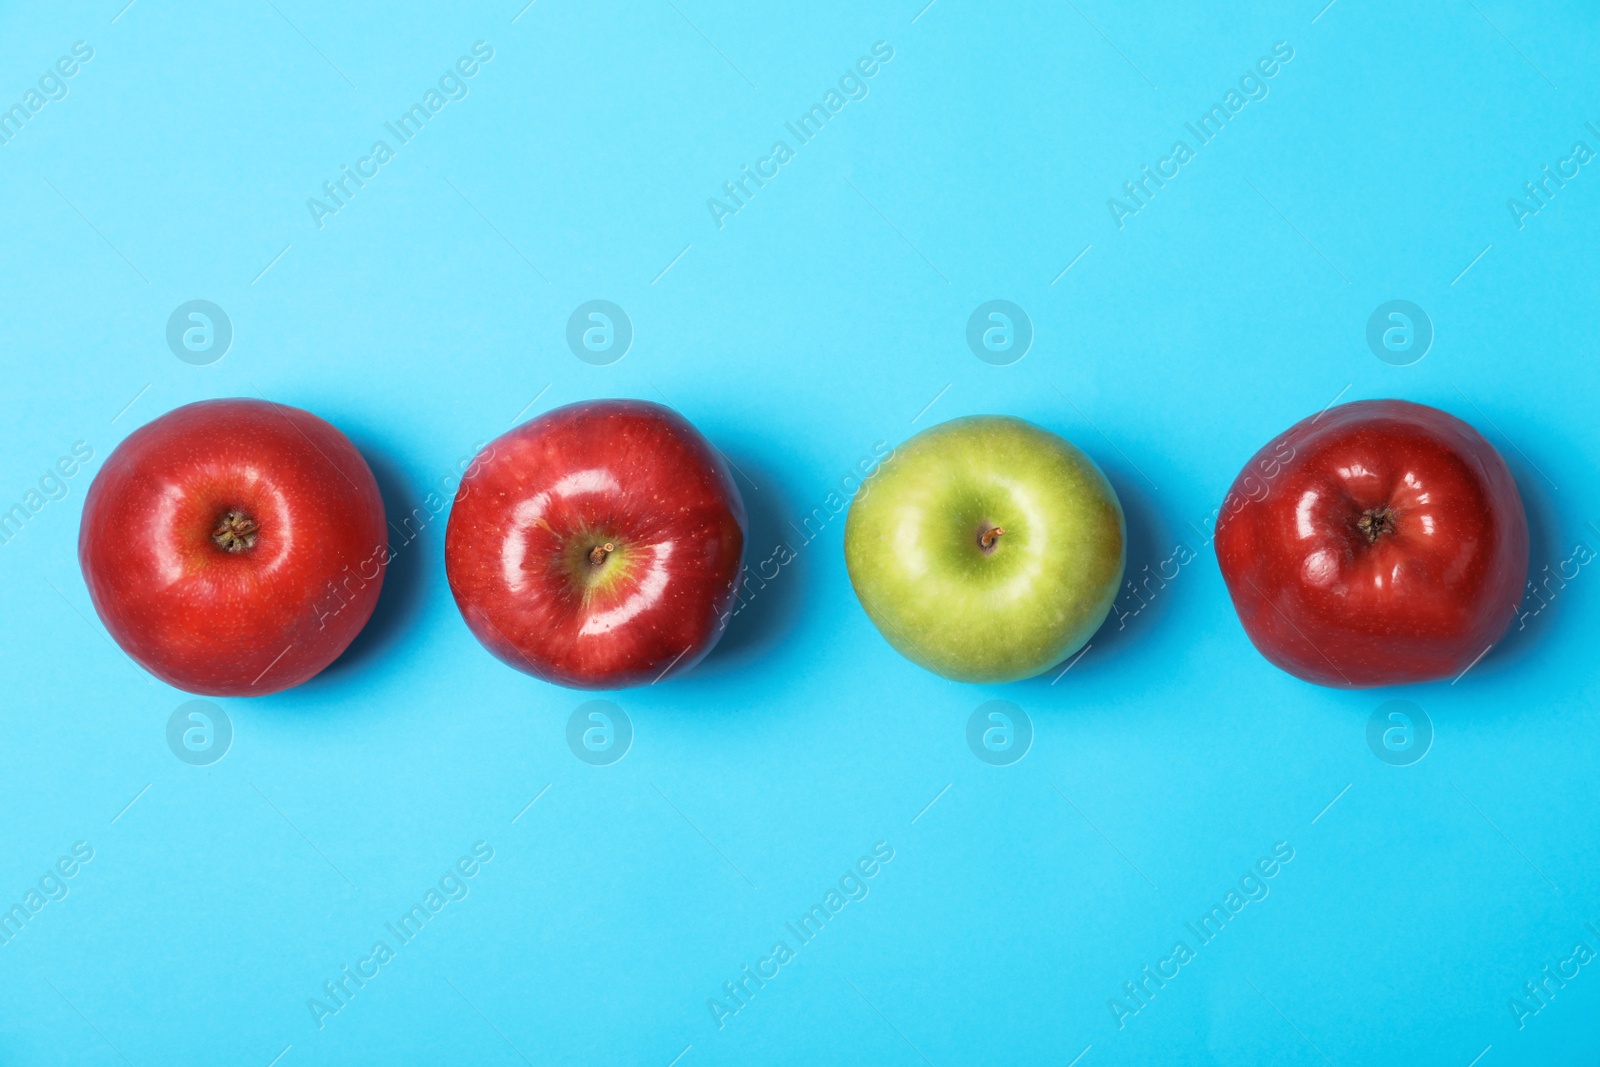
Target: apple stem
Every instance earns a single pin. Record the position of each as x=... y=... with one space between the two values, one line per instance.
x=1375 y=522
x=988 y=536
x=598 y=554
x=235 y=532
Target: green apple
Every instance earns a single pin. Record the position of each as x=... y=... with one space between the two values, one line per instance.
x=986 y=549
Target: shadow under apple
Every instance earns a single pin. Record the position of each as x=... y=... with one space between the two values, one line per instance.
x=414 y=537
x=1537 y=611
x=1143 y=595
x=776 y=559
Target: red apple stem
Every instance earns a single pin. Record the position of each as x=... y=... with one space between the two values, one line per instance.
x=988 y=536
x=235 y=532
x=1375 y=522
x=598 y=554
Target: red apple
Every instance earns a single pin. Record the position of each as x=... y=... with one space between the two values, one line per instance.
x=234 y=547
x=1377 y=543
x=597 y=546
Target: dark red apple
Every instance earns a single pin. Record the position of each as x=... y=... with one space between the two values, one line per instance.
x=597 y=546
x=234 y=547
x=1377 y=543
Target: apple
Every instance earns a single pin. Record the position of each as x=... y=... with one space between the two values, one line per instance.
x=986 y=549
x=234 y=547
x=1378 y=543
x=597 y=546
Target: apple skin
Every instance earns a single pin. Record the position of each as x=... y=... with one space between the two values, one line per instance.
x=913 y=547
x=258 y=619
x=1424 y=596
x=540 y=501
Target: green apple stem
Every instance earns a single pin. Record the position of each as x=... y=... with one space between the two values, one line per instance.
x=988 y=536
x=1375 y=522
x=598 y=554
x=235 y=532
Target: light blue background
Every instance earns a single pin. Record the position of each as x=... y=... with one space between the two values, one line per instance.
x=826 y=316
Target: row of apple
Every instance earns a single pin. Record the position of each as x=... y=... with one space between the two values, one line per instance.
x=236 y=547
